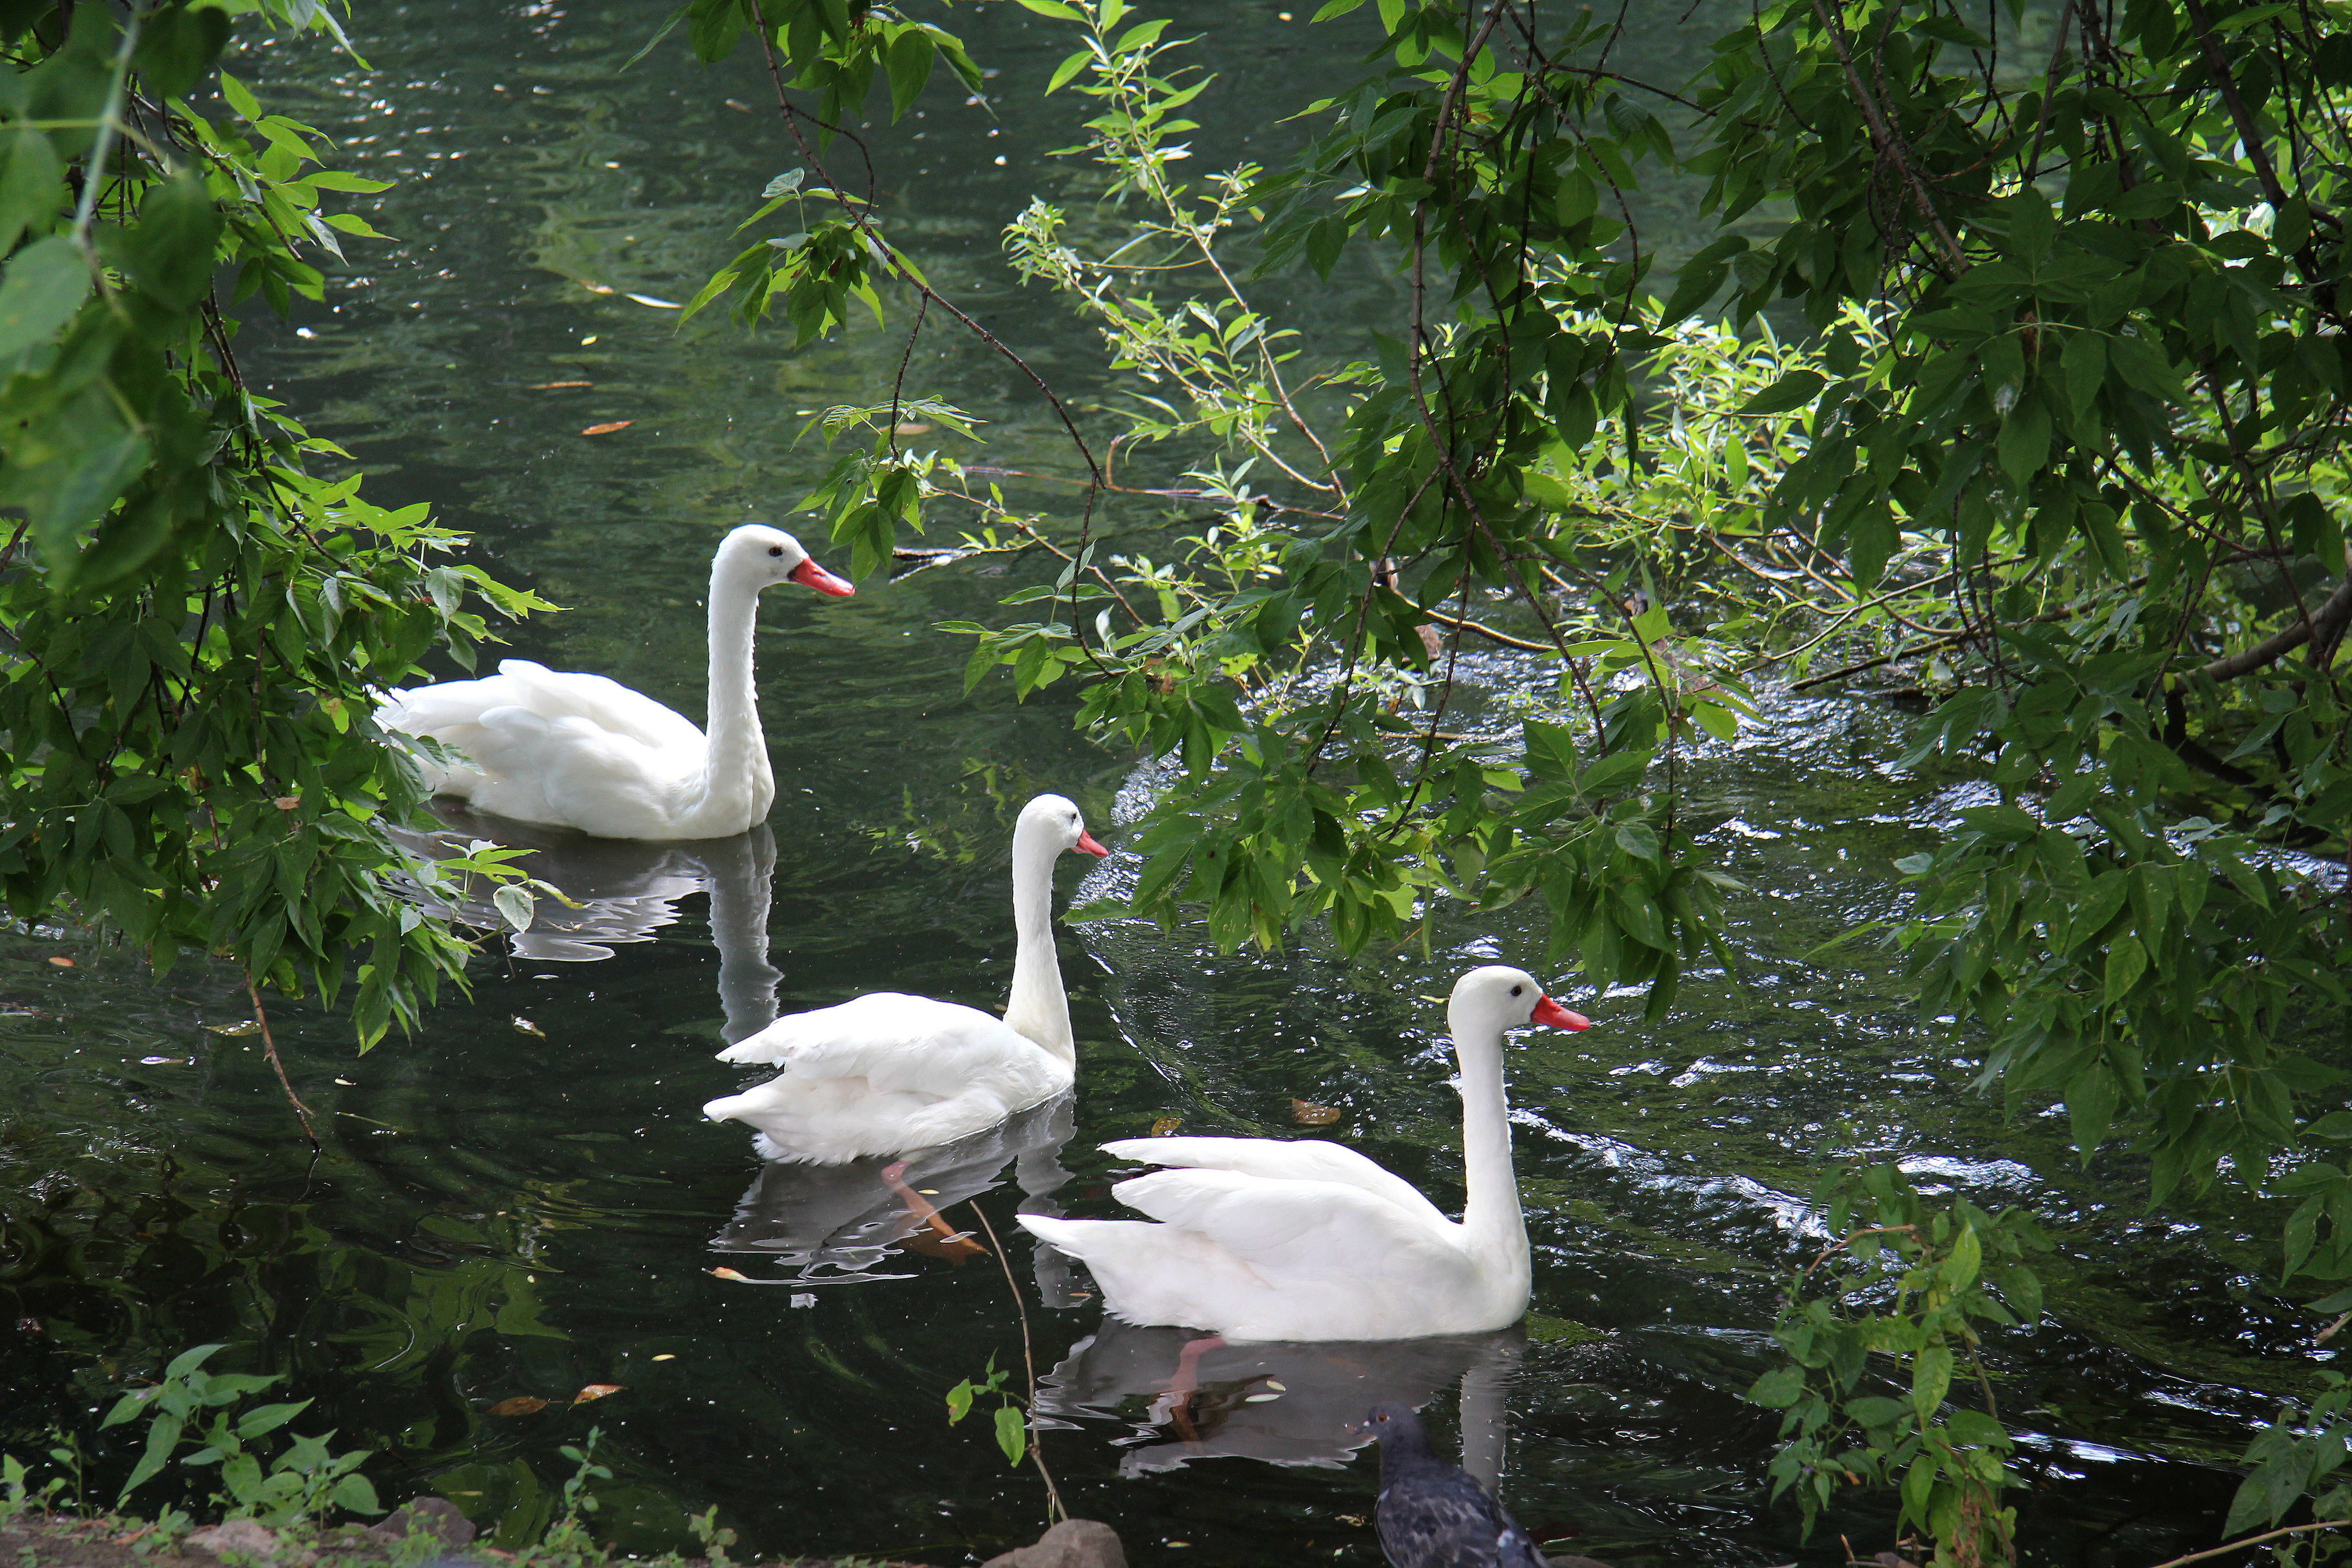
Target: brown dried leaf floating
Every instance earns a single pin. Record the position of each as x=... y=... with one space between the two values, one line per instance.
x=525 y=1027
x=63 y=963
x=596 y=288
x=1308 y=1114
x=555 y=385
x=595 y=1390
x=520 y=1405
x=608 y=429
x=1166 y=1125
x=731 y=1274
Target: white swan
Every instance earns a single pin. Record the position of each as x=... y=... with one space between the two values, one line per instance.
x=1309 y=1241
x=889 y=1073
x=581 y=750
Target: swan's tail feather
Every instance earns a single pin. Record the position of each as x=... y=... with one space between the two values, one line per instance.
x=727 y=1107
x=1059 y=1233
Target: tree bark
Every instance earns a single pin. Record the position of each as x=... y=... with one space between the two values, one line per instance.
x=2324 y=630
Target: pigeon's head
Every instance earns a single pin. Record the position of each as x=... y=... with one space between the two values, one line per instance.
x=1394 y=1425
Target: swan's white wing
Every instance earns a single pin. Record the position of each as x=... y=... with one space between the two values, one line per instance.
x=457 y=711
x=1299 y=1159
x=895 y=1042
x=1151 y=1273
x=1331 y=1231
x=607 y=704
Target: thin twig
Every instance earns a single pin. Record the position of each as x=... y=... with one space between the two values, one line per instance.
x=269 y=1048
x=2253 y=1541
x=1055 y=1510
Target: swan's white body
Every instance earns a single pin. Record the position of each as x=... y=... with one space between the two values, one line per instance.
x=1309 y=1241
x=888 y=1073
x=582 y=750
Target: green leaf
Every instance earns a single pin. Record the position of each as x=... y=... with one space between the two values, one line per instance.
x=2086 y=364
x=2127 y=962
x=2024 y=443
x=910 y=66
x=1960 y=1266
x=1068 y=69
x=659 y=34
x=2022 y=1288
x=46 y=283
x=239 y=96
x=1055 y=9
x=1931 y=1379
x=1012 y=1426
x=162 y=1437
x=1616 y=768
x=2091 y=1100
x=357 y=1493
x=1793 y=390
x=1779 y=1388
x=169 y=252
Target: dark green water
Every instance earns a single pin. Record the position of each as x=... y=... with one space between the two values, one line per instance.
x=502 y=1213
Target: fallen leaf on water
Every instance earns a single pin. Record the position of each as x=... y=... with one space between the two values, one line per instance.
x=1355 y=1519
x=608 y=429
x=731 y=1274
x=555 y=385
x=732 y=104
x=910 y=429
x=525 y=1027
x=655 y=303
x=1259 y=1398
x=596 y=288
x=236 y=1031
x=347 y=1083
x=1166 y=1125
x=63 y=963
x=1308 y=1114
x=520 y=1405
x=1277 y=1385
x=666 y=1356
x=595 y=1390
x=163 y=1061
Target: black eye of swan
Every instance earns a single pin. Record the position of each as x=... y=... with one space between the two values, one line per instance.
x=1517 y=989
x=775 y=550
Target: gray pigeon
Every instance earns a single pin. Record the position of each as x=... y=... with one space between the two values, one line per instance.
x=1435 y=1515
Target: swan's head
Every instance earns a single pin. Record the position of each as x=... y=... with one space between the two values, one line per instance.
x=762 y=556
x=1055 y=821
x=1490 y=1001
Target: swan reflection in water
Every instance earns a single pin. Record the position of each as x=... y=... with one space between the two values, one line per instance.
x=1287 y=1403
x=840 y=1223
x=628 y=889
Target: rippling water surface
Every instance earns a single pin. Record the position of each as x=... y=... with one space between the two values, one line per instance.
x=523 y=1199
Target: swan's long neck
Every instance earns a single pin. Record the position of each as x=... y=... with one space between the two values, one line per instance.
x=1039 y=1007
x=1491 y=1221
x=736 y=751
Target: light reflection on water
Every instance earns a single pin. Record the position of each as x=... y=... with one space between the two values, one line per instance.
x=499 y=1214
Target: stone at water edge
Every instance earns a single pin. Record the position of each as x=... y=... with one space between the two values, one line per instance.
x=434 y=1516
x=1073 y=1543
x=243 y=1536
